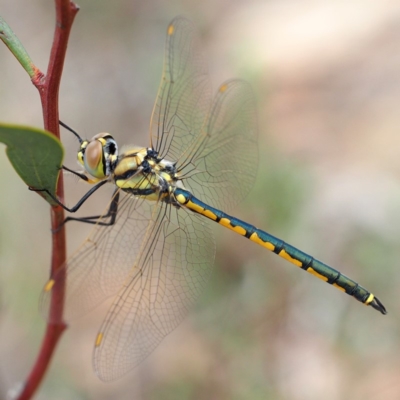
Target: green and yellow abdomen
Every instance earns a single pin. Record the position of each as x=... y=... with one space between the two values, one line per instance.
x=281 y=248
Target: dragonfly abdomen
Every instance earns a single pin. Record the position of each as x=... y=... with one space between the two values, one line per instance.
x=282 y=249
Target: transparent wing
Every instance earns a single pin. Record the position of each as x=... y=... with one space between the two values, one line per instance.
x=174 y=252
x=156 y=259
x=170 y=272
x=97 y=270
x=183 y=98
x=221 y=168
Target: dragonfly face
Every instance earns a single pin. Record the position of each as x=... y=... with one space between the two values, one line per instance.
x=99 y=155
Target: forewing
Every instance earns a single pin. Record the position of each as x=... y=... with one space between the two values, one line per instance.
x=171 y=271
x=221 y=170
x=183 y=98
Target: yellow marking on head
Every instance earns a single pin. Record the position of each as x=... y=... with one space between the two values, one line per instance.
x=227 y=223
x=80 y=157
x=171 y=30
x=256 y=239
x=370 y=299
x=102 y=141
x=222 y=88
x=49 y=285
x=289 y=258
x=312 y=271
x=81 y=151
x=210 y=214
x=339 y=287
x=99 y=339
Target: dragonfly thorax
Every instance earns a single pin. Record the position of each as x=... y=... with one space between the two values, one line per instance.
x=140 y=172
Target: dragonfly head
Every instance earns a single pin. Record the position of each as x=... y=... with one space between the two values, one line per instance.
x=99 y=155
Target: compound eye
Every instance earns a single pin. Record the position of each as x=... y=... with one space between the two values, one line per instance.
x=93 y=159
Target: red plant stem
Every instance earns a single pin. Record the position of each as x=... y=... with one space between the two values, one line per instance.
x=48 y=87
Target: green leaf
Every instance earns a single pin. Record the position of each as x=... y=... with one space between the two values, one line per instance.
x=36 y=156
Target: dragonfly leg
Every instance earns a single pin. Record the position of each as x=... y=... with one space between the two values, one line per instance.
x=79 y=203
x=78 y=174
x=98 y=219
x=71 y=130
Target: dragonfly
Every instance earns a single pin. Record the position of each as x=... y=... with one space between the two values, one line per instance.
x=152 y=250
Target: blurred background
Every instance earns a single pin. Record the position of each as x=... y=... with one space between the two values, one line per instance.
x=327 y=81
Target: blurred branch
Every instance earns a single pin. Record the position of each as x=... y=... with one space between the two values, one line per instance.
x=48 y=87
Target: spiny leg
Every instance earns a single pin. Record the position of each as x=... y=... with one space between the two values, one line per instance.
x=98 y=219
x=78 y=174
x=79 y=203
